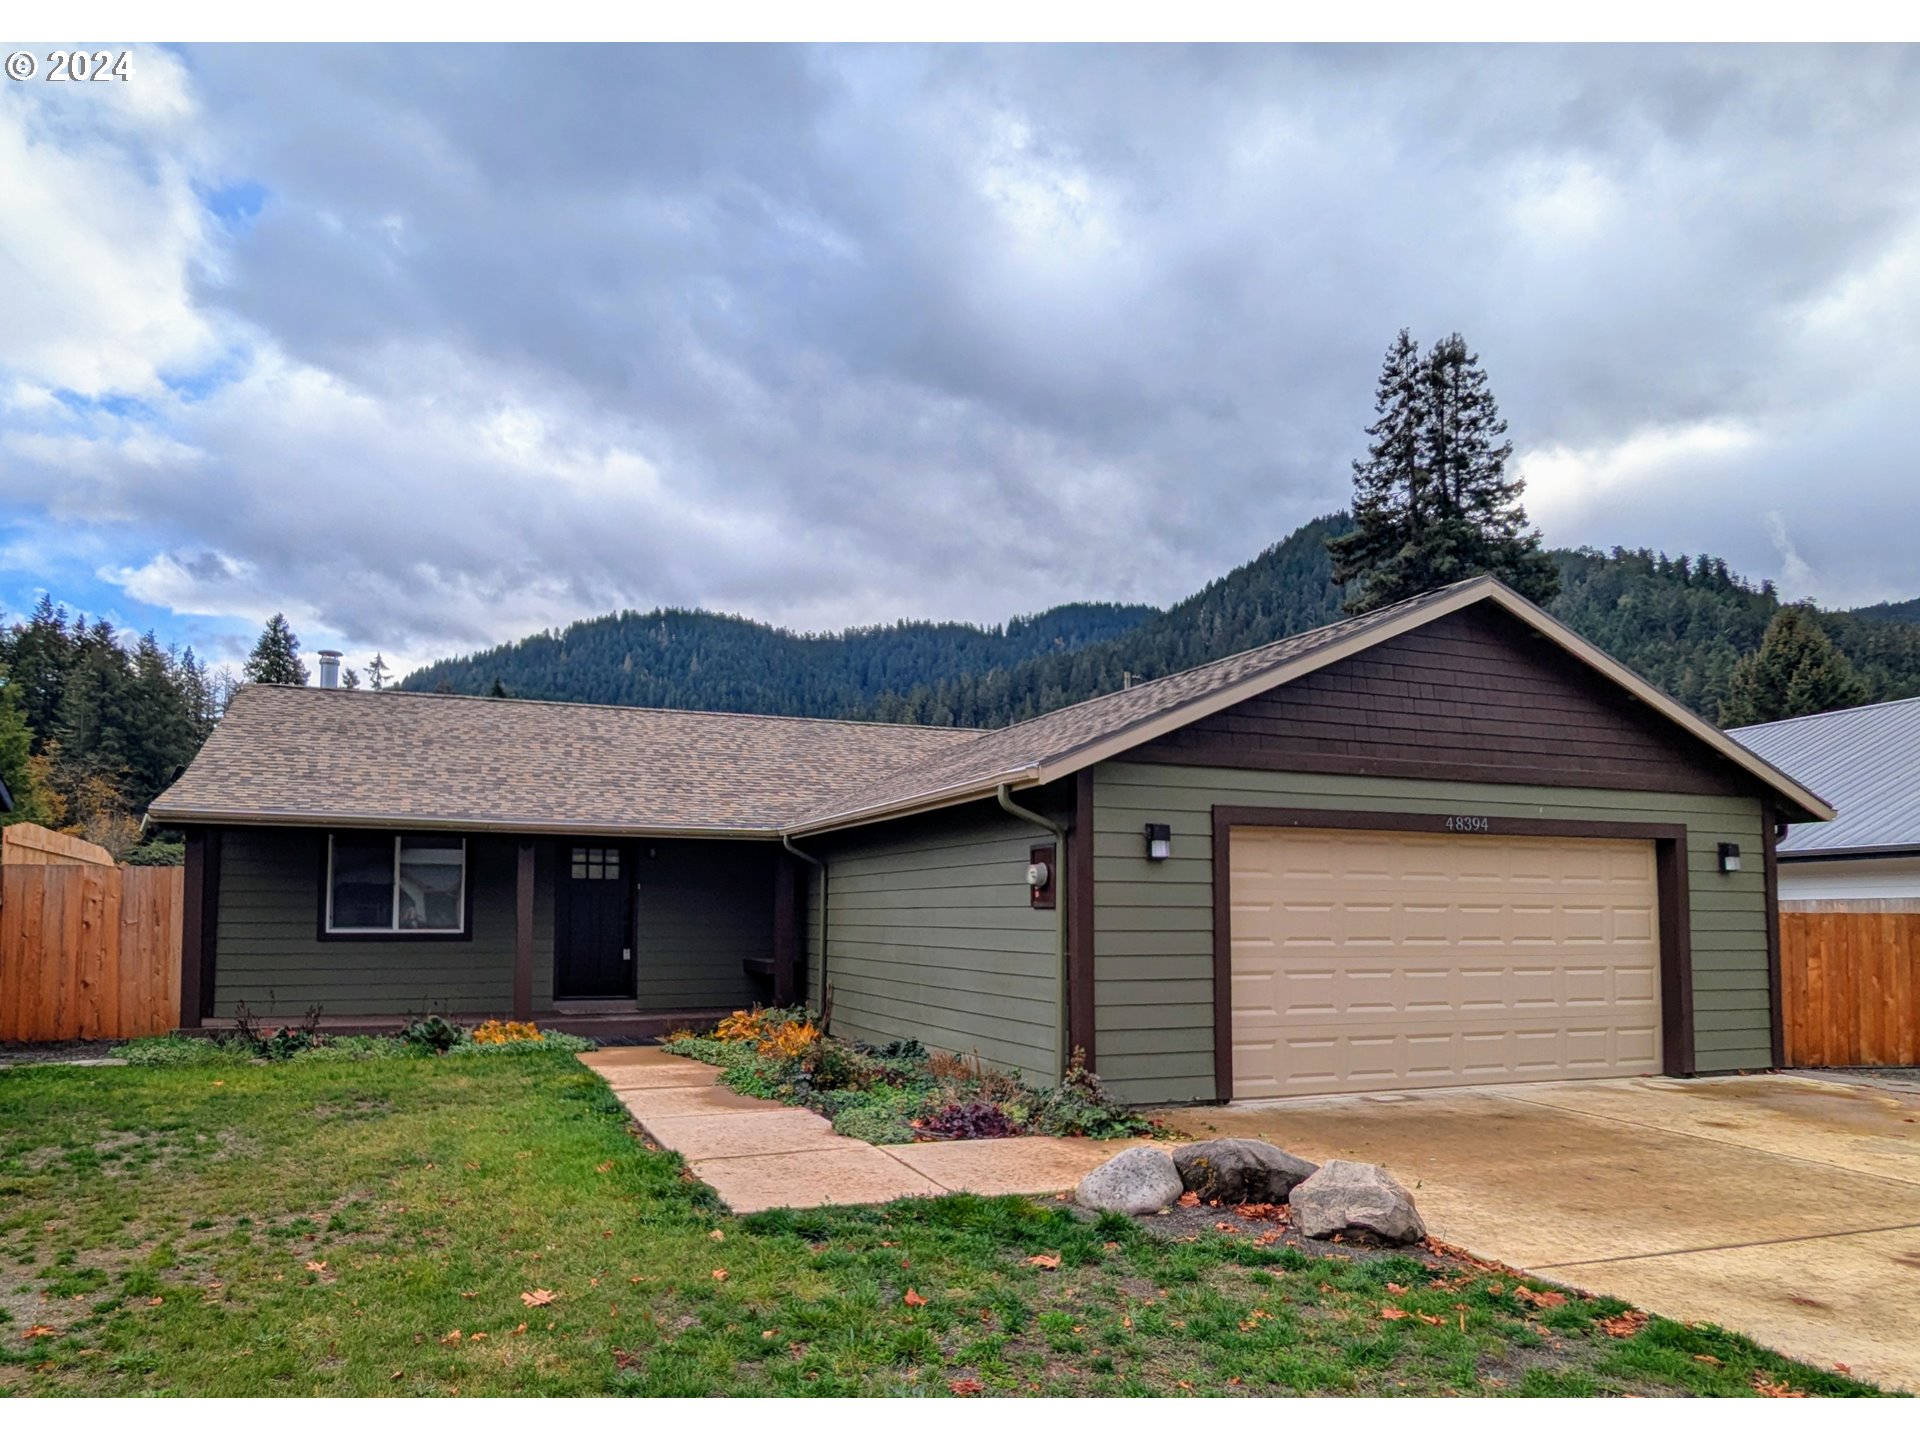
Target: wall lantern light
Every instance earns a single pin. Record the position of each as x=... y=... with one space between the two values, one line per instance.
x=1159 y=841
x=1729 y=857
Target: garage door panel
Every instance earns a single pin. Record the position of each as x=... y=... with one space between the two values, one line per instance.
x=1384 y=960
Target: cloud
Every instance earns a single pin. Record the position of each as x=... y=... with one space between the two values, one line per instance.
x=431 y=355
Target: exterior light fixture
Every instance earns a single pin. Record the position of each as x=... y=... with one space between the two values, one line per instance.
x=1729 y=857
x=1159 y=841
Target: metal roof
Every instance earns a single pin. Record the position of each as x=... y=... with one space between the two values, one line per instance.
x=1865 y=760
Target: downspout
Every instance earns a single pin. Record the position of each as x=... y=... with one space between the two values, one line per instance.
x=821 y=866
x=1060 y=904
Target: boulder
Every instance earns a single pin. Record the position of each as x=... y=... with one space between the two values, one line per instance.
x=1240 y=1172
x=1345 y=1196
x=1134 y=1182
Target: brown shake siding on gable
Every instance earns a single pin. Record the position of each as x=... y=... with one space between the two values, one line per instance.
x=1473 y=696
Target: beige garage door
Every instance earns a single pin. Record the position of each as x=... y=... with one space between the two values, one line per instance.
x=1376 y=960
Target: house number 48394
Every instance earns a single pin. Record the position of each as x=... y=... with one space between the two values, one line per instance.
x=1476 y=824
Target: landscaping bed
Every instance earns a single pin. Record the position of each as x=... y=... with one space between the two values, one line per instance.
x=490 y=1224
x=250 y=1044
x=901 y=1092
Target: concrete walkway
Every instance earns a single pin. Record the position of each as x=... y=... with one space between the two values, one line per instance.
x=762 y=1155
x=1781 y=1206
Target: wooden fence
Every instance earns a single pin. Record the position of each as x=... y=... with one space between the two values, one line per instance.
x=1850 y=986
x=25 y=843
x=89 y=952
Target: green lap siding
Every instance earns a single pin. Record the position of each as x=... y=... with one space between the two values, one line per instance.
x=930 y=936
x=269 y=956
x=701 y=910
x=1153 y=922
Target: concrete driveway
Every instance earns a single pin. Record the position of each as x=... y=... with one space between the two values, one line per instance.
x=1781 y=1206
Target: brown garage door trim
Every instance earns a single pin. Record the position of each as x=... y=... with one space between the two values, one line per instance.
x=1670 y=864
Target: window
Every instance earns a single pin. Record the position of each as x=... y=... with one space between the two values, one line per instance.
x=592 y=862
x=396 y=885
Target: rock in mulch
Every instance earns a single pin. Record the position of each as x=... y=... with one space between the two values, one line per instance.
x=1134 y=1182
x=1240 y=1172
x=1344 y=1196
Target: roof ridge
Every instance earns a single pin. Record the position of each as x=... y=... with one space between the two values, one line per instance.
x=614 y=705
x=1824 y=714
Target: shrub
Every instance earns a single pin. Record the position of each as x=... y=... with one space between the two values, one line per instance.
x=969 y=1120
x=1080 y=1105
x=542 y=1041
x=431 y=1032
x=875 y=1124
x=500 y=1032
x=829 y=1065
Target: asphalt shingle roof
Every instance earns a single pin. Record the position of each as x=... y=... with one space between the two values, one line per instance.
x=290 y=752
x=1866 y=761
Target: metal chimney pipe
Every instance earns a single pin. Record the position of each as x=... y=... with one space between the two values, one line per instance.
x=329 y=669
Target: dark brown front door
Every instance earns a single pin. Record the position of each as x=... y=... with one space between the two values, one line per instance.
x=593 y=929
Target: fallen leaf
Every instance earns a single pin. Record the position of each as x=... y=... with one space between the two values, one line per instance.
x=1842 y=1368
x=156 y=1300
x=316 y=1266
x=1710 y=1360
x=452 y=1337
x=1625 y=1324
x=398 y=1375
x=478 y=1335
x=1044 y=1262
x=218 y=1083
x=1431 y=1319
x=1189 y=1200
x=1393 y=1289
x=40 y=1332
x=531 y=1298
x=1540 y=1299
x=720 y=1275
x=1775 y=1390
x=521 y=1328
x=1226 y=1225
x=1390 y=1312
x=716 y=1234
x=965 y=1387
x=604 y=1166
x=914 y=1297
x=768 y=1334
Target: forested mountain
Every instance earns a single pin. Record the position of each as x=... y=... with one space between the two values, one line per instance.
x=695 y=660
x=1682 y=622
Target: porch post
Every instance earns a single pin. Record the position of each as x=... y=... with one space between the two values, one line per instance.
x=786 y=929
x=194 y=923
x=523 y=934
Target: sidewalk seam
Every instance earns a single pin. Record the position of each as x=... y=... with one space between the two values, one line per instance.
x=1732 y=1245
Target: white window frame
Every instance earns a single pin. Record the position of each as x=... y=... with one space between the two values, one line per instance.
x=392 y=927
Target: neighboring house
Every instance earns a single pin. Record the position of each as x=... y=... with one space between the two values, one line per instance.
x=1445 y=843
x=1867 y=761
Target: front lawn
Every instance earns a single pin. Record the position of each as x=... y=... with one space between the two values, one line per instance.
x=487 y=1224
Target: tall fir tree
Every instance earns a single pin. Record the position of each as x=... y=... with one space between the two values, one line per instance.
x=1433 y=503
x=1388 y=484
x=275 y=659
x=377 y=672
x=1796 y=671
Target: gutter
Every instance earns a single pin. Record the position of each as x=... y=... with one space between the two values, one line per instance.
x=821 y=866
x=1060 y=907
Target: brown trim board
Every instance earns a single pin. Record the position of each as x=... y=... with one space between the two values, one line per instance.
x=199 y=926
x=523 y=892
x=1080 y=963
x=1777 y=1000
x=1670 y=859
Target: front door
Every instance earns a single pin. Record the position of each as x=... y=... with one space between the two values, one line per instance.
x=593 y=930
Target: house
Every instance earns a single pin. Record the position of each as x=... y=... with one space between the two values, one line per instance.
x=1868 y=761
x=1447 y=842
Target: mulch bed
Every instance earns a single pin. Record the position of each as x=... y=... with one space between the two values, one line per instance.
x=1271 y=1227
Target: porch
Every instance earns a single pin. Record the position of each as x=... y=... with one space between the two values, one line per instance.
x=603 y=936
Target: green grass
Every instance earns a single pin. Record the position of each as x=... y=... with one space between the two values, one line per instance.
x=369 y=1229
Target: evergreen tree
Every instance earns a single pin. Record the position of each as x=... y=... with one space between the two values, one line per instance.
x=276 y=656
x=16 y=762
x=1796 y=671
x=1432 y=501
x=1388 y=486
x=377 y=672
x=349 y=678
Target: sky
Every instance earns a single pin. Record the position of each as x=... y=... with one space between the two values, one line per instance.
x=434 y=348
